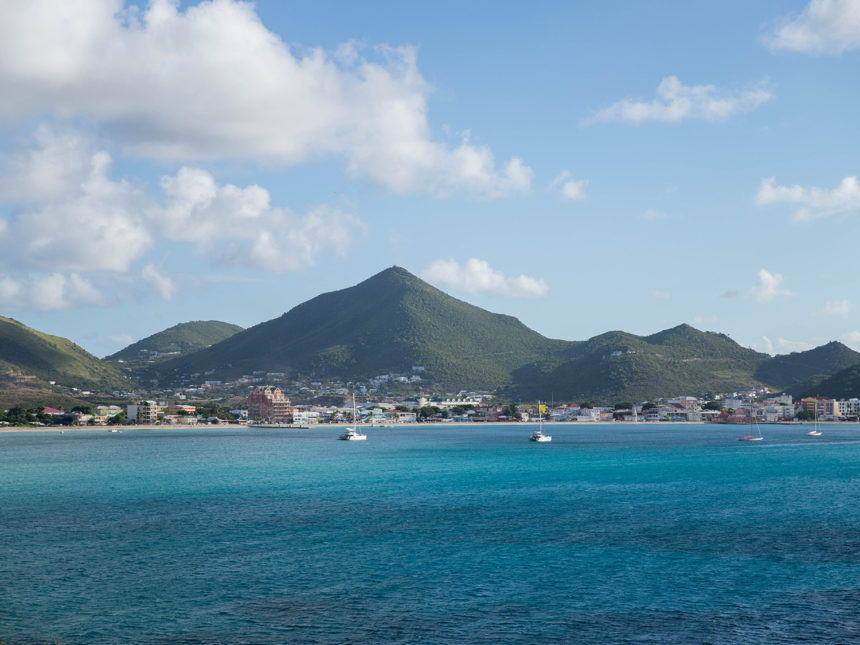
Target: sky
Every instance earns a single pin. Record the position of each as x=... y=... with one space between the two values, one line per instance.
x=583 y=166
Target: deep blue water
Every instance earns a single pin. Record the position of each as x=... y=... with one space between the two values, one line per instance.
x=611 y=533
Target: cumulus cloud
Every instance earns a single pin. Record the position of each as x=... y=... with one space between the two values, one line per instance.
x=211 y=82
x=676 y=102
x=823 y=27
x=69 y=216
x=477 y=276
x=769 y=286
x=47 y=292
x=814 y=203
x=568 y=188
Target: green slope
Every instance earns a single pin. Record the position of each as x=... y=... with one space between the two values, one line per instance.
x=183 y=338
x=619 y=366
x=845 y=384
x=393 y=321
x=799 y=371
x=51 y=358
x=388 y=323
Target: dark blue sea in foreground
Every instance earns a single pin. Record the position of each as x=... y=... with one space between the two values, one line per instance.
x=611 y=533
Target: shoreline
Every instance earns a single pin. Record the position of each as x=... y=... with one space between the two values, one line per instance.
x=327 y=426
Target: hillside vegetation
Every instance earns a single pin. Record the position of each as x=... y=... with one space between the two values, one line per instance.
x=394 y=321
x=388 y=323
x=180 y=339
x=28 y=352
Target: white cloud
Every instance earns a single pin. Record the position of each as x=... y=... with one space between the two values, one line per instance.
x=769 y=287
x=814 y=202
x=476 y=276
x=852 y=339
x=290 y=242
x=702 y=320
x=785 y=346
x=82 y=220
x=47 y=292
x=211 y=82
x=162 y=283
x=568 y=188
x=120 y=340
x=661 y=295
x=69 y=215
x=676 y=102
x=823 y=27
x=836 y=308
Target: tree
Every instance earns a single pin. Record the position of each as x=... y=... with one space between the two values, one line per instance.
x=512 y=411
x=83 y=409
x=713 y=405
x=119 y=419
x=806 y=415
x=649 y=406
x=623 y=406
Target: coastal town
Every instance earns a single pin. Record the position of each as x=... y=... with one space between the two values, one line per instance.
x=267 y=405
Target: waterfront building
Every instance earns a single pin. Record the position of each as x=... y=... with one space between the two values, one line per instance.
x=269 y=404
x=143 y=412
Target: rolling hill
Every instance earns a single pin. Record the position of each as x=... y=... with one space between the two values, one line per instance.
x=180 y=340
x=845 y=384
x=799 y=371
x=25 y=352
x=617 y=366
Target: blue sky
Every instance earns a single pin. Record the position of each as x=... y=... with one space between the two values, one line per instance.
x=582 y=166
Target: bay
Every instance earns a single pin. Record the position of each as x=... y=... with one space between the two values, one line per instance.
x=611 y=533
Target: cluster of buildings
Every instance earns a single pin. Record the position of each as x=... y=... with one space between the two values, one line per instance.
x=267 y=404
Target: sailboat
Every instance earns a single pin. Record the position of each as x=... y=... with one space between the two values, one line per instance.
x=352 y=434
x=538 y=435
x=755 y=431
x=815 y=432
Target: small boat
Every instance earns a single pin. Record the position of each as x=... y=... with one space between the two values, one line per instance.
x=755 y=431
x=538 y=435
x=113 y=430
x=815 y=432
x=352 y=434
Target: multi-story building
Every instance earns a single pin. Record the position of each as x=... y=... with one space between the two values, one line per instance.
x=849 y=407
x=269 y=404
x=143 y=412
x=821 y=406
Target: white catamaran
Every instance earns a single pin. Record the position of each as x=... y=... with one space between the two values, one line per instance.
x=538 y=434
x=352 y=434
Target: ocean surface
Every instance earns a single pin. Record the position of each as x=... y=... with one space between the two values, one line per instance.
x=609 y=534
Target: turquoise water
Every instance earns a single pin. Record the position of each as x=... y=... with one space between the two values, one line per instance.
x=618 y=533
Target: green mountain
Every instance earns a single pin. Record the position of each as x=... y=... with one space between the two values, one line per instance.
x=25 y=352
x=386 y=324
x=800 y=371
x=394 y=321
x=617 y=366
x=845 y=384
x=180 y=340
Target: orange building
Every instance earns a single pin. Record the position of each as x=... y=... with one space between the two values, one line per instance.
x=270 y=405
